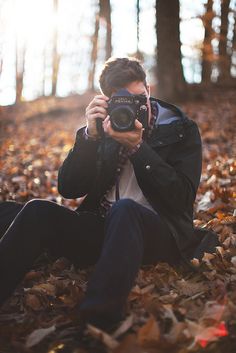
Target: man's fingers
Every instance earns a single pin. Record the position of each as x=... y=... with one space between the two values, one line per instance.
x=96 y=116
x=98 y=101
x=107 y=125
x=101 y=96
x=107 y=119
x=98 y=109
x=138 y=125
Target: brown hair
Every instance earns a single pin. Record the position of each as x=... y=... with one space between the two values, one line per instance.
x=118 y=72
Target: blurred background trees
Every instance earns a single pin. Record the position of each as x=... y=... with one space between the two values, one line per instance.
x=170 y=77
x=56 y=48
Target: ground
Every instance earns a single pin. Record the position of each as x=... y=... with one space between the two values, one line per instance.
x=169 y=309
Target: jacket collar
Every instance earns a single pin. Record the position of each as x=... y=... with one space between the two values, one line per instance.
x=176 y=110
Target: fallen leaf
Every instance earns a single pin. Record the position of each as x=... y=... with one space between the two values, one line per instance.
x=125 y=326
x=149 y=334
x=38 y=335
x=102 y=336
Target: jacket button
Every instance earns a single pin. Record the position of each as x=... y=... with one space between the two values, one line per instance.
x=148 y=167
x=181 y=135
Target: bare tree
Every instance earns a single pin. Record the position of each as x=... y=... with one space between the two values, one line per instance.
x=171 y=83
x=104 y=12
x=55 y=55
x=94 y=52
x=207 y=50
x=234 y=40
x=224 y=57
x=20 y=70
x=1 y=65
x=138 y=22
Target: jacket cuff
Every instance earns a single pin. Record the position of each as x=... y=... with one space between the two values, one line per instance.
x=89 y=137
x=81 y=141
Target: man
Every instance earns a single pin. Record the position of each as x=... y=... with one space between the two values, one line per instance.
x=139 y=188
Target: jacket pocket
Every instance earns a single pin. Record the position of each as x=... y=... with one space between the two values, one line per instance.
x=165 y=135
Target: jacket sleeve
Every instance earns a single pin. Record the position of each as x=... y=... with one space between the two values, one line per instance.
x=172 y=184
x=78 y=171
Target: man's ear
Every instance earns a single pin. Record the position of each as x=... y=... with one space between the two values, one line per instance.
x=148 y=89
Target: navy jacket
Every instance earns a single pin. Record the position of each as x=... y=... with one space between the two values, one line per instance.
x=167 y=167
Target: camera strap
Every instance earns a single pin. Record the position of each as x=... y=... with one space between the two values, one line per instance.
x=100 y=158
x=117 y=188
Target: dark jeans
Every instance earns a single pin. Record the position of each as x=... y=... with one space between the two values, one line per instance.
x=130 y=235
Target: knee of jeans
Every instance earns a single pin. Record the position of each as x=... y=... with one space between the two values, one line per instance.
x=123 y=205
x=123 y=208
x=35 y=206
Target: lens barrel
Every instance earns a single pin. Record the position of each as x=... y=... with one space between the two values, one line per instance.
x=122 y=119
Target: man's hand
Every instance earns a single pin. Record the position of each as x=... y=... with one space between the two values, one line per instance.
x=129 y=139
x=95 y=110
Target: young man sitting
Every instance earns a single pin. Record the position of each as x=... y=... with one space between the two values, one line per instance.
x=139 y=182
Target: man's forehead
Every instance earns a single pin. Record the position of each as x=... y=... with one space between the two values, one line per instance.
x=136 y=87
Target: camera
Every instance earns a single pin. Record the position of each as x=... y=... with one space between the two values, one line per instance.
x=124 y=108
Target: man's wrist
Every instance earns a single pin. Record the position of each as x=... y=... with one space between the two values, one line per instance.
x=90 y=137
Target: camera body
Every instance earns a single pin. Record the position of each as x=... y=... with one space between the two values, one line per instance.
x=124 y=108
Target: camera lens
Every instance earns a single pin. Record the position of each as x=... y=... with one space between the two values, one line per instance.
x=122 y=119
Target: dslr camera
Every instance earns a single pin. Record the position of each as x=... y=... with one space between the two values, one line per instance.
x=124 y=108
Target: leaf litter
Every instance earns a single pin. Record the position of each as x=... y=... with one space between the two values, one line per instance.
x=168 y=309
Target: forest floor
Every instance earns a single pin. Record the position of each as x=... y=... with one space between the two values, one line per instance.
x=169 y=309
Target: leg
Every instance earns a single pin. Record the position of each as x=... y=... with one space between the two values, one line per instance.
x=8 y=211
x=134 y=235
x=43 y=224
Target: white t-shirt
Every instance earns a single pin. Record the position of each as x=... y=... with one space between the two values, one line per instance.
x=128 y=187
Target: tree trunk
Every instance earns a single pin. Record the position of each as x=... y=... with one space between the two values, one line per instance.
x=207 y=50
x=20 y=70
x=171 y=83
x=105 y=12
x=44 y=64
x=1 y=64
x=94 y=53
x=233 y=54
x=55 y=55
x=224 y=57
x=137 y=24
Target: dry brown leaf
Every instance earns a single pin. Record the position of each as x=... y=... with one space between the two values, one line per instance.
x=213 y=311
x=190 y=288
x=60 y=264
x=168 y=298
x=130 y=345
x=102 y=336
x=149 y=334
x=124 y=327
x=195 y=262
x=203 y=335
x=34 y=302
x=228 y=220
x=38 y=335
x=176 y=333
x=74 y=296
x=46 y=288
x=33 y=275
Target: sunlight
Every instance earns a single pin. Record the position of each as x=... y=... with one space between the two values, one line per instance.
x=31 y=27
x=34 y=22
